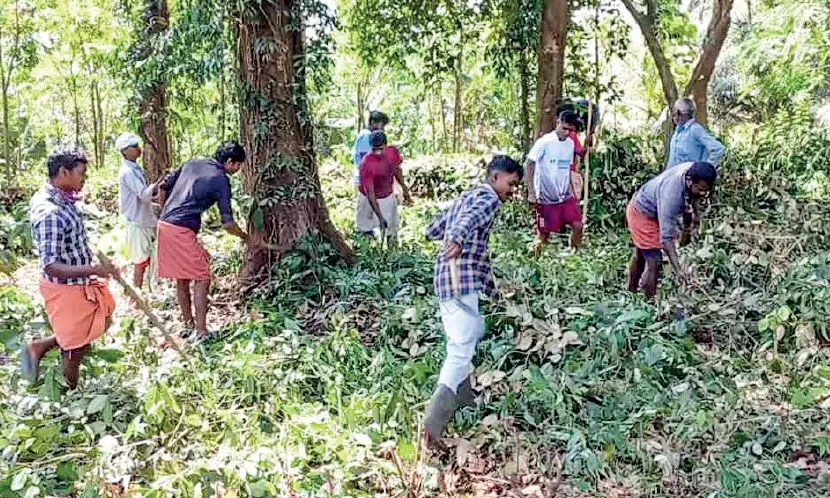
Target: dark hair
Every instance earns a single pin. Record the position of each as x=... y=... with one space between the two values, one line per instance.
x=230 y=150
x=376 y=117
x=505 y=164
x=569 y=117
x=64 y=157
x=703 y=172
x=378 y=139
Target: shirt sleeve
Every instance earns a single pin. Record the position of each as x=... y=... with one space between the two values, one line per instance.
x=170 y=180
x=714 y=148
x=49 y=232
x=478 y=213
x=395 y=156
x=438 y=227
x=535 y=151
x=224 y=187
x=135 y=186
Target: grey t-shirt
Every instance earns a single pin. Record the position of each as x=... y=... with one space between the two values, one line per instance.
x=664 y=198
x=192 y=190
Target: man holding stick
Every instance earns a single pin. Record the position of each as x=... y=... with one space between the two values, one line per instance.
x=78 y=305
x=462 y=271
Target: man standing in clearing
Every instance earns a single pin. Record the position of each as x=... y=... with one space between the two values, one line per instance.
x=549 y=186
x=652 y=217
x=378 y=172
x=691 y=143
x=362 y=146
x=190 y=191
x=135 y=200
x=79 y=307
x=464 y=227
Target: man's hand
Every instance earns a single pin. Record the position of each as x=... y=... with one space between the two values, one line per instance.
x=105 y=270
x=452 y=250
x=383 y=223
x=407 y=200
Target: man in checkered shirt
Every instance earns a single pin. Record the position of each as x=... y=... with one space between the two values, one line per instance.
x=465 y=229
x=79 y=307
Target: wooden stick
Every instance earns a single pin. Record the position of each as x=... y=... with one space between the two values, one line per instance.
x=455 y=275
x=586 y=184
x=143 y=307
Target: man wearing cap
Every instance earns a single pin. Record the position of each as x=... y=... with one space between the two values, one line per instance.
x=135 y=200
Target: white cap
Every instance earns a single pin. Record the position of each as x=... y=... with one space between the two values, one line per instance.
x=127 y=139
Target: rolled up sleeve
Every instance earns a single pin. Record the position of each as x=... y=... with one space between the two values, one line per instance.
x=49 y=237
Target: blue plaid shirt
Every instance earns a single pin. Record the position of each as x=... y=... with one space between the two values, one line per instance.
x=466 y=222
x=58 y=232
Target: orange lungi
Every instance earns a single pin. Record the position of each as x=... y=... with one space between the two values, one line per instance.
x=77 y=313
x=645 y=231
x=180 y=254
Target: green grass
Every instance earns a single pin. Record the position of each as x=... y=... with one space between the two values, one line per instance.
x=320 y=391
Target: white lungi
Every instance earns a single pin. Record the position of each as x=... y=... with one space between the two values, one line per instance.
x=367 y=220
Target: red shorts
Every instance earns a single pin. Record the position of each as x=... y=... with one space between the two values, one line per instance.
x=551 y=218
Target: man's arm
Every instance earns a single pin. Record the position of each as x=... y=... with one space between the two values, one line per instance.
x=137 y=187
x=438 y=227
x=50 y=232
x=530 y=169
x=407 y=199
x=671 y=252
x=225 y=210
x=373 y=201
x=714 y=148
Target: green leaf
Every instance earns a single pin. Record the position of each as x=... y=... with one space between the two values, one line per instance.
x=67 y=472
x=632 y=316
x=19 y=480
x=109 y=355
x=97 y=404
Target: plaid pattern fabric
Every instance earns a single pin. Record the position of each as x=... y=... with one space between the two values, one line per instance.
x=59 y=234
x=466 y=222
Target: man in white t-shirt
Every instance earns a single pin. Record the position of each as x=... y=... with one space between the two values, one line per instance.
x=548 y=176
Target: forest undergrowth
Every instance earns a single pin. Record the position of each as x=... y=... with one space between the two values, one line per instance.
x=318 y=383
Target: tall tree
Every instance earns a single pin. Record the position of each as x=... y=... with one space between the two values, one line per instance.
x=552 y=40
x=18 y=51
x=152 y=92
x=649 y=23
x=281 y=172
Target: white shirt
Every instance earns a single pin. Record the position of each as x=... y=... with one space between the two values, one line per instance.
x=552 y=174
x=134 y=195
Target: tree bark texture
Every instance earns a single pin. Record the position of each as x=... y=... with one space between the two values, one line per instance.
x=552 y=38
x=716 y=33
x=524 y=90
x=280 y=172
x=153 y=106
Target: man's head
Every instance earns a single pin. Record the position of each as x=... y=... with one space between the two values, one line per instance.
x=230 y=155
x=378 y=140
x=130 y=146
x=566 y=124
x=67 y=168
x=700 y=179
x=683 y=111
x=377 y=120
x=504 y=174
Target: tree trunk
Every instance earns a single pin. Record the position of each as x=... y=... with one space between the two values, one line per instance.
x=552 y=38
x=6 y=137
x=281 y=172
x=698 y=86
x=153 y=107
x=457 y=121
x=647 y=23
x=94 y=110
x=524 y=111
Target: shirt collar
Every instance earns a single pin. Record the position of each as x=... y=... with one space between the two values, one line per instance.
x=685 y=126
x=131 y=164
x=62 y=196
x=493 y=190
